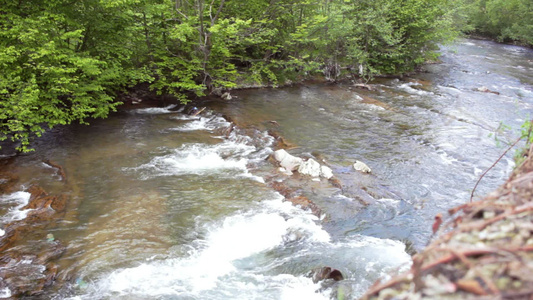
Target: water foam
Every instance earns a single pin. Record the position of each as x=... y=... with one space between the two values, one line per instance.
x=408 y=87
x=234 y=154
x=155 y=110
x=212 y=269
x=19 y=199
x=207 y=122
x=242 y=257
x=196 y=124
x=199 y=159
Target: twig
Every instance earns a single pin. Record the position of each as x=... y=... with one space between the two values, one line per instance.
x=518 y=294
x=484 y=278
x=523 y=208
x=378 y=288
x=494 y=164
x=198 y=112
x=443 y=260
x=452 y=257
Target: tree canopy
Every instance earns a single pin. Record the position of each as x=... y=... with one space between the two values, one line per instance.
x=504 y=20
x=64 y=61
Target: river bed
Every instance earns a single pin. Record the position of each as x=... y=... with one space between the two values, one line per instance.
x=165 y=205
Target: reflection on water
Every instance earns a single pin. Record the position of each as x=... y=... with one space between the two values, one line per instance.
x=169 y=206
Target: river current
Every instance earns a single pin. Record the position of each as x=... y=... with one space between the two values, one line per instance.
x=165 y=205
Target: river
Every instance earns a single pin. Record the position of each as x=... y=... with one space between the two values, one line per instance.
x=165 y=205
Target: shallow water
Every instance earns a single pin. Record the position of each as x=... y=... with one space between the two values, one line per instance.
x=167 y=206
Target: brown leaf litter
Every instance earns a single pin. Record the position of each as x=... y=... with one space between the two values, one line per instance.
x=483 y=249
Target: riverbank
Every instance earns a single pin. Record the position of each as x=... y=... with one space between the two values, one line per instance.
x=484 y=249
x=481 y=37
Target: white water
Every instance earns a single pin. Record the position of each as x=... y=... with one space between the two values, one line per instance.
x=229 y=158
x=155 y=110
x=173 y=206
x=265 y=250
x=238 y=256
x=17 y=200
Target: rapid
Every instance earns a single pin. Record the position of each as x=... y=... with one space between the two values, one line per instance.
x=166 y=205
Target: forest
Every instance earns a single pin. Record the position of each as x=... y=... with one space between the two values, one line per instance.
x=66 y=61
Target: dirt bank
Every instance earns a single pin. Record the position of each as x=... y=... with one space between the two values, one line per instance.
x=482 y=250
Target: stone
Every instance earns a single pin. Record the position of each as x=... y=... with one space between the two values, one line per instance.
x=226 y=96
x=361 y=166
x=326 y=273
x=484 y=89
x=285 y=171
x=326 y=172
x=287 y=161
x=363 y=86
x=310 y=167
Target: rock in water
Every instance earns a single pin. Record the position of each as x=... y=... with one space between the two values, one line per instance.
x=485 y=89
x=287 y=161
x=326 y=172
x=310 y=167
x=285 y=171
x=361 y=166
x=326 y=273
x=226 y=96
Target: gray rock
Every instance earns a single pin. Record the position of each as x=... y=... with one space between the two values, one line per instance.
x=226 y=96
x=285 y=171
x=310 y=167
x=326 y=172
x=287 y=161
x=361 y=166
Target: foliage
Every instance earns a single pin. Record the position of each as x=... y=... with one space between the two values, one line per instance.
x=504 y=20
x=526 y=134
x=64 y=61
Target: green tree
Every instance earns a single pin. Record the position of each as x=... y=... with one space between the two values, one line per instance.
x=63 y=62
x=505 y=20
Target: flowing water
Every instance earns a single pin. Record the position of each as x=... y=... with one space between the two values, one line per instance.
x=164 y=205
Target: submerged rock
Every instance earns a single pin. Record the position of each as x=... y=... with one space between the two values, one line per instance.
x=306 y=204
x=361 y=166
x=7 y=182
x=27 y=274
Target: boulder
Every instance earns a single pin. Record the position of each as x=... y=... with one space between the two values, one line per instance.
x=361 y=166
x=287 y=161
x=310 y=167
x=326 y=172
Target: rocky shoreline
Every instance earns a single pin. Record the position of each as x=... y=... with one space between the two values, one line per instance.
x=483 y=250
x=24 y=273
